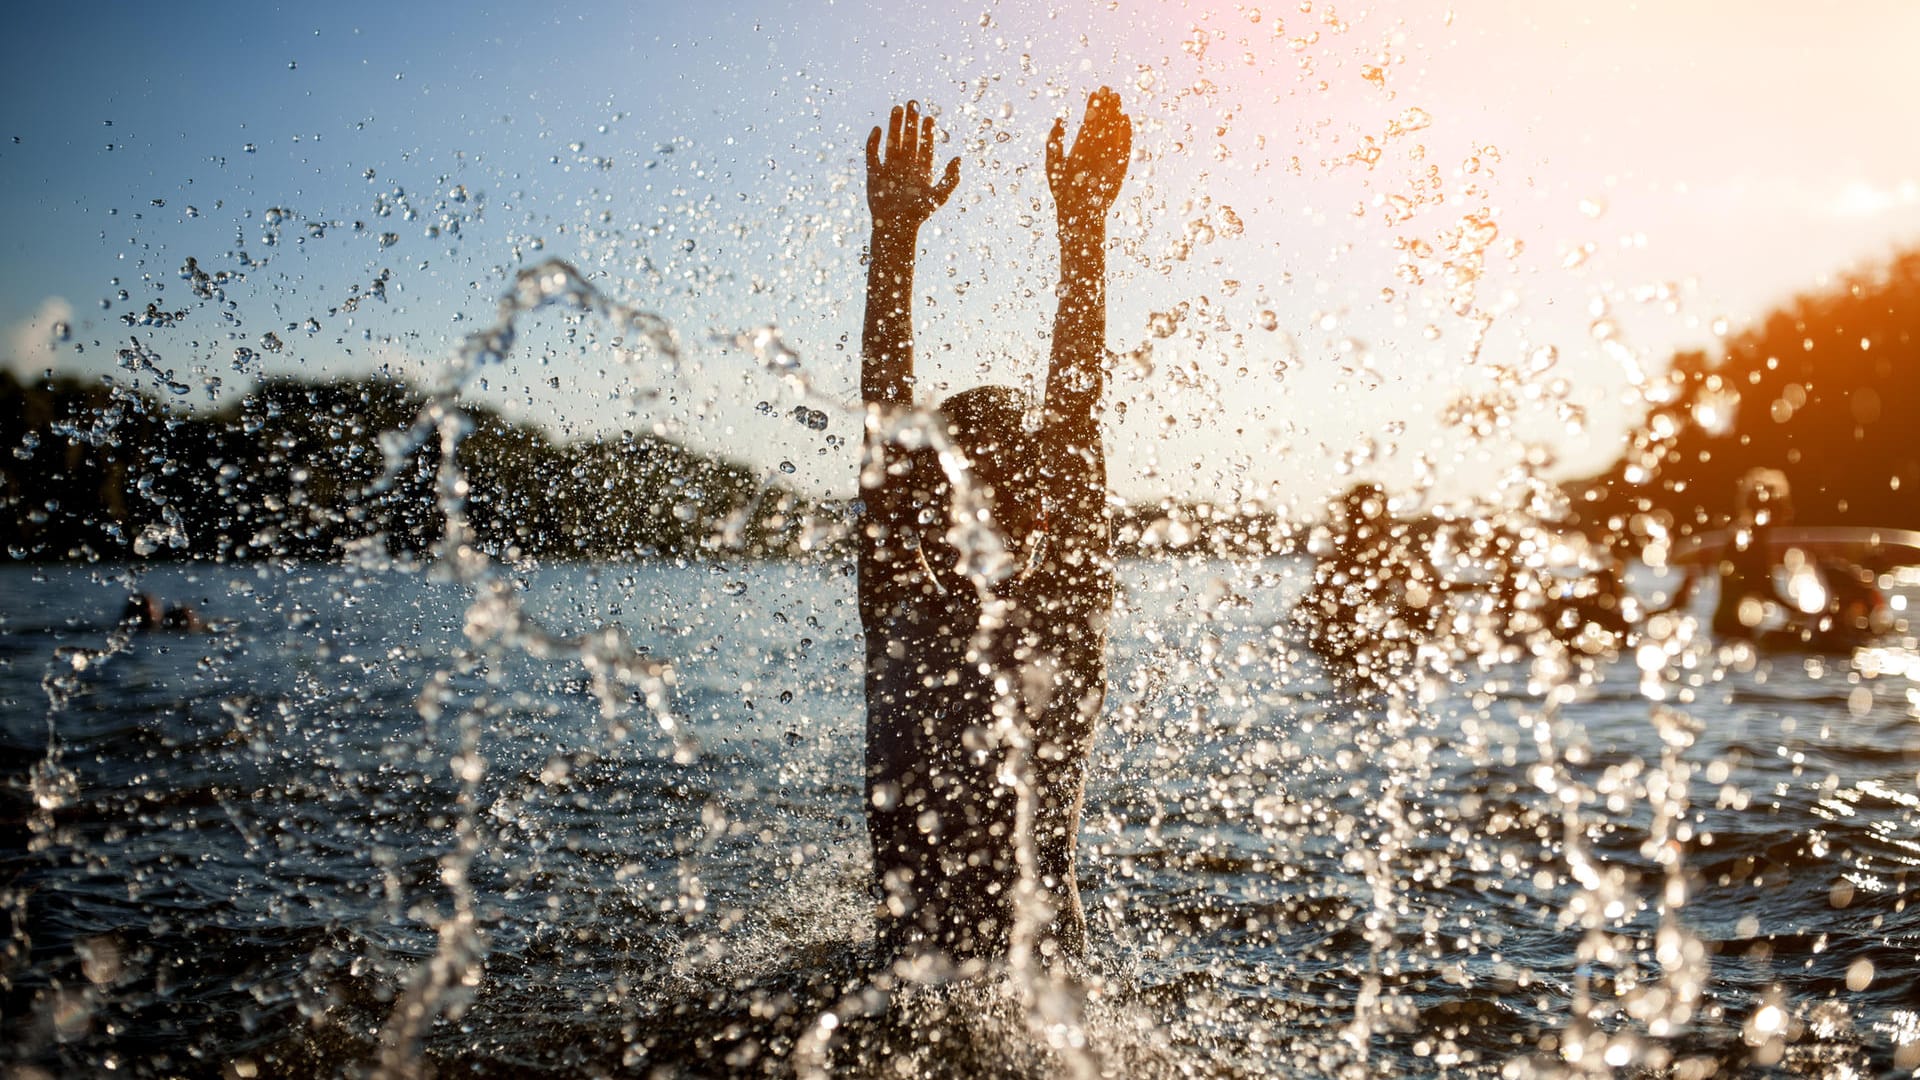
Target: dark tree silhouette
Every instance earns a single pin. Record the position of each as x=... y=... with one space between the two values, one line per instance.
x=91 y=470
x=1827 y=390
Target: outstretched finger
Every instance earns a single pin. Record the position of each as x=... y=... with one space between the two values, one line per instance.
x=948 y=181
x=1056 y=146
x=926 y=143
x=1112 y=120
x=1093 y=128
x=873 y=150
x=894 y=119
x=910 y=133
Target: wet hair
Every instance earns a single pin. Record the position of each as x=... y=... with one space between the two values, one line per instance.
x=989 y=425
x=1763 y=489
x=1363 y=502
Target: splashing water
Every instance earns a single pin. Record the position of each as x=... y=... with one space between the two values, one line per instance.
x=1385 y=855
x=1481 y=857
x=1435 y=794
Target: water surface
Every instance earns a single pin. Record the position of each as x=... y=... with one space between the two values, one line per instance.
x=236 y=852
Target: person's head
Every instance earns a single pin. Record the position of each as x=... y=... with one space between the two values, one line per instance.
x=1363 y=503
x=988 y=424
x=1764 y=497
x=142 y=611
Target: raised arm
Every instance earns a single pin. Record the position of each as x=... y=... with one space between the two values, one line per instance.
x=901 y=195
x=1084 y=182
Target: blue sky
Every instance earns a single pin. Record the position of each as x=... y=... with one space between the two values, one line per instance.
x=1358 y=233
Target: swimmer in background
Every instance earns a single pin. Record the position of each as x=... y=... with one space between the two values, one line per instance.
x=1589 y=606
x=1374 y=596
x=955 y=672
x=145 y=612
x=1856 y=611
x=1747 y=593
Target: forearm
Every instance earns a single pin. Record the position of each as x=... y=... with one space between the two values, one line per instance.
x=1074 y=380
x=901 y=194
x=886 y=383
x=1075 y=472
x=886 y=340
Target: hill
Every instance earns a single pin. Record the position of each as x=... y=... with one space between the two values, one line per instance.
x=93 y=470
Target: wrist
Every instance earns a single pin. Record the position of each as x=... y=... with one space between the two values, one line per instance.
x=898 y=239
x=1083 y=239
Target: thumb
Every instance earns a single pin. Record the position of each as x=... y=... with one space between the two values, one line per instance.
x=948 y=181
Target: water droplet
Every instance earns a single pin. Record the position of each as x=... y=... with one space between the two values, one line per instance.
x=1860 y=975
x=766 y=344
x=1413 y=119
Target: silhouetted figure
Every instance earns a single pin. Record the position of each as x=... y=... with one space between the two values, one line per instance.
x=1519 y=589
x=1747 y=593
x=954 y=673
x=1856 y=612
x=1834 y=604
x=183 y=617
x=145 y=612
x=1682 y=595
x=1562 y=584
x=1373 y=596
x=1594 y=602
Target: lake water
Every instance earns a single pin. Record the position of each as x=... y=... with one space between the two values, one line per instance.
x=228 y=852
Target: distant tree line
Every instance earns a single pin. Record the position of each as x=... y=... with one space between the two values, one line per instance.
x=93 y=470
x=1826 y=390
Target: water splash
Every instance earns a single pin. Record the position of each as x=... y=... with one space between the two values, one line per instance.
x=497 y=621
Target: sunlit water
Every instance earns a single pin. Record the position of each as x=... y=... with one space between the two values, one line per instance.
x=232 y=858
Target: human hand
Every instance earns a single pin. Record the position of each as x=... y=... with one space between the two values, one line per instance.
x=1086 y=179
x=901 y=192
